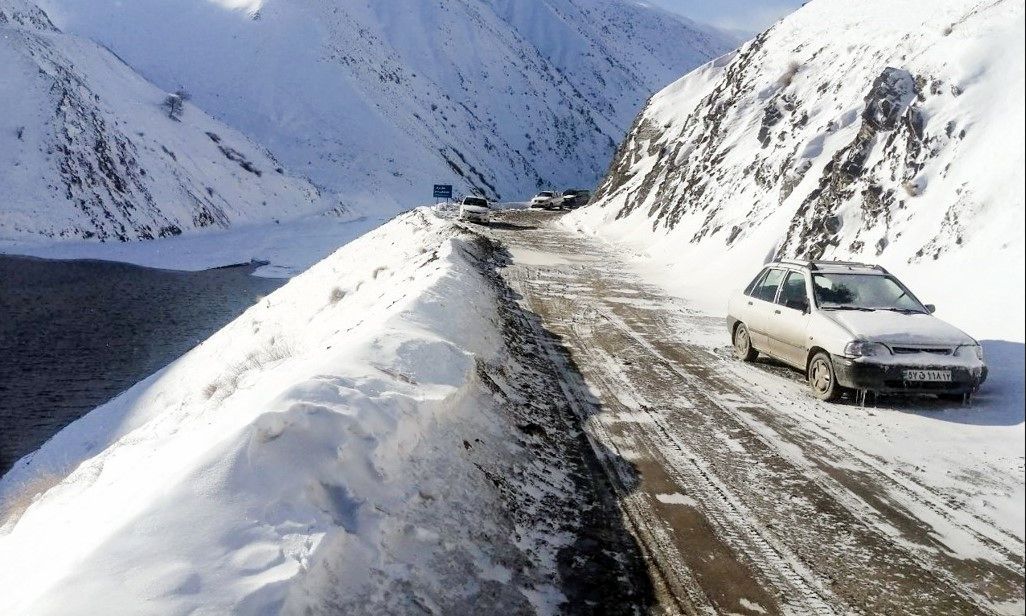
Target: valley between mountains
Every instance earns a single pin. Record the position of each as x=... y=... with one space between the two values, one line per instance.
x=249 y=368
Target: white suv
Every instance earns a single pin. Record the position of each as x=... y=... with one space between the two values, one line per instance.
x=854 y=326
x=475 y=209
x=543 y=199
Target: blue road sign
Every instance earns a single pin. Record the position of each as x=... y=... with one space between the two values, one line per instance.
x=443 y=191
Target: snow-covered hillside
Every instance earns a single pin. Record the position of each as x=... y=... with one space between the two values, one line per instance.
x=87 y=151
x=880 y=131
x=378 y=100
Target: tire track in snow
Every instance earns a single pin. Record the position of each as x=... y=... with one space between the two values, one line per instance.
x=702 y=405
x=802 y=592
x=958 y=599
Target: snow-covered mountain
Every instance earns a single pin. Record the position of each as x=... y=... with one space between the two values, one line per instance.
x=885 y=132
x=378 y=100
x=88 y=151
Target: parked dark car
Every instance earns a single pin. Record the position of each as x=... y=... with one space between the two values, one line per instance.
x=574 y=198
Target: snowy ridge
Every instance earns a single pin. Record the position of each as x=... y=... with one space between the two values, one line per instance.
x=26 y=14
x=891 y=134
x=86 y=150
x=377 y=101
x=334 y=442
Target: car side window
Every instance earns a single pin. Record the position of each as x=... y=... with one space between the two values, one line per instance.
x=794 y=294
x=766 y=288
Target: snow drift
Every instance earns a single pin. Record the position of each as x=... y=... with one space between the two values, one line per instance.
x=379 y=100
x=889 y=133
x=87 y=151
x=336 y=448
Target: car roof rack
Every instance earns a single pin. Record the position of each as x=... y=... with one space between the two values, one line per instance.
x=815 y=265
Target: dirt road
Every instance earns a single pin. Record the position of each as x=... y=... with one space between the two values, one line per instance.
x=742 y=491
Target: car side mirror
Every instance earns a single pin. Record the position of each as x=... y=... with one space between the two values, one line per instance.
x=930 y=308
x=800 y=305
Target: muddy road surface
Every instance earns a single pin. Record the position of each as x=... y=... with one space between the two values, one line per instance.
x=741 y=503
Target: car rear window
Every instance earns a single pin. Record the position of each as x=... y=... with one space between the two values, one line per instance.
x=766 y=288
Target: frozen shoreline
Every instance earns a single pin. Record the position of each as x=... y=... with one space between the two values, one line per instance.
x=282 y=250
x=278 y=249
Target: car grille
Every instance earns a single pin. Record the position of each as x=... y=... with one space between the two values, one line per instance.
x=906 y=350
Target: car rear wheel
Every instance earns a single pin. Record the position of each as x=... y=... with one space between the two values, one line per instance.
x=821 y=378
x=743 y=344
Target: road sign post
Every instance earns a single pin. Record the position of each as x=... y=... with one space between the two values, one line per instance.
x=443 y=191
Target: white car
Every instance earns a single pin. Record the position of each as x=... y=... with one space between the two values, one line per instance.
x=852 y=326
x=475 y=209
x=543 y=199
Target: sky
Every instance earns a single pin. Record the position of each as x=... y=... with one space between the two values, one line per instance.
x=748 y=16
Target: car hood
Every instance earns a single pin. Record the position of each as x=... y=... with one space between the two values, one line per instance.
x=898 y=328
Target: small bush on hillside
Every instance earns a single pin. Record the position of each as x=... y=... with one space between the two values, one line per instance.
x=336 y=296
x=228 y=381
x=788 y=76
x=174 y=104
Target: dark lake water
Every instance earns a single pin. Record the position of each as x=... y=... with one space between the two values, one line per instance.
x=73 y=334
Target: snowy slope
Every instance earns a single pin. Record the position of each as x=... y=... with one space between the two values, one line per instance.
x=86 y=151
x=339 y=447
x=378 y=100
x=885 y=132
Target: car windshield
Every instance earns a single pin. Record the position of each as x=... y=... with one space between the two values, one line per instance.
x=863 y=292
x=545 y=194
x=476 y=201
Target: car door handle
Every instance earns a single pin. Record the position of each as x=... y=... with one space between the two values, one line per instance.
x=751 y=303
x=776 y=312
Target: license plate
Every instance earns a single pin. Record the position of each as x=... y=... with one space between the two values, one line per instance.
x=916 y=376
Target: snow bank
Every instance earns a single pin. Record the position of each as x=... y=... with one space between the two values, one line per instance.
x=882 y=132
x=308 y=454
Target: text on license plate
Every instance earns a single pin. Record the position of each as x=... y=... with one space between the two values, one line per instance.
x=927 y=375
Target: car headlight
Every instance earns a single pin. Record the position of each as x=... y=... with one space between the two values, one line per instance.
x=969 y=351
x=862 y=348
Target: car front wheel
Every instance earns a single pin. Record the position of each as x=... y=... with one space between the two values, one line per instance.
x=743 y=344
x=821 y=378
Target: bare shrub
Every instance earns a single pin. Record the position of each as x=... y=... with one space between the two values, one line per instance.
x=174 y=104
x=211 y=389
x=336 y=296
x=792 y=69
x=228 y=382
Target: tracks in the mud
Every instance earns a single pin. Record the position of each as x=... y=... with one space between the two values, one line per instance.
x=739 y=507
